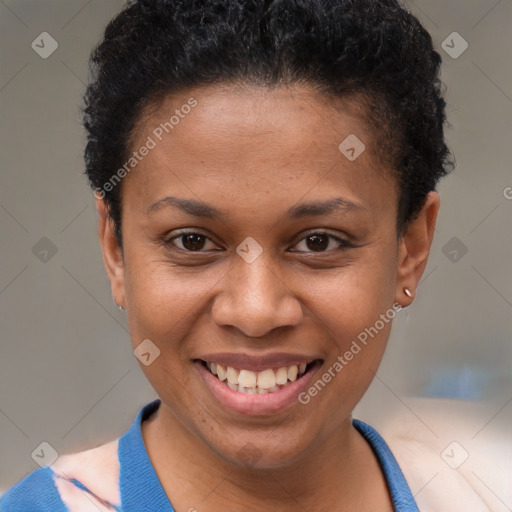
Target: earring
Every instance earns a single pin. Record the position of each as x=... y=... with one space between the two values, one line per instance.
x=408 y=292
x=118 y=306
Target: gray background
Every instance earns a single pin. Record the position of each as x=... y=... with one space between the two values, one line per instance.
x=67 y=372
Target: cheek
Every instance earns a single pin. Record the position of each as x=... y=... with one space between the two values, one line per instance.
x=354 y=297
x=165 y=299
x=356 y=309
x=357 y=321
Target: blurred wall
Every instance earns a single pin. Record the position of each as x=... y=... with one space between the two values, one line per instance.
x=67 y=373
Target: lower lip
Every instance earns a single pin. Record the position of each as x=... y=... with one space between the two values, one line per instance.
x=255 y=404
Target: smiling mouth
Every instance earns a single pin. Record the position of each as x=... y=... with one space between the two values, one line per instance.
x=261 y=382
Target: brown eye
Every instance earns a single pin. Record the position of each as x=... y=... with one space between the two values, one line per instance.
x=317 y=242
x=321 y=242
x=189 y=241
x=193 y=242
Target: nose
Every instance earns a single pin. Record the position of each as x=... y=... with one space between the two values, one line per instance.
x=255 y=299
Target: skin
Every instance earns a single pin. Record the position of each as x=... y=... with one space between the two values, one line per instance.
x=253 y=153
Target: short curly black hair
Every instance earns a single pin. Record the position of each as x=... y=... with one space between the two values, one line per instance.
x=372 y=48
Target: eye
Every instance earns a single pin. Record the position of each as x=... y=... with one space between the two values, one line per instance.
x=189 y=241
x=192 y=241
x=322 y=242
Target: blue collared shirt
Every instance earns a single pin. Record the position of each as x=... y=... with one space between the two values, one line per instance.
x=141 y=490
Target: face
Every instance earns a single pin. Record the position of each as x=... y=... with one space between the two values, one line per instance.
x=252 y=242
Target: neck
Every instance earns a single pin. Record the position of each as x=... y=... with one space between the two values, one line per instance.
x=341 y=471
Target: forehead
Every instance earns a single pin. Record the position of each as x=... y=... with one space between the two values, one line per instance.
x=249 y=115
x=280 y=143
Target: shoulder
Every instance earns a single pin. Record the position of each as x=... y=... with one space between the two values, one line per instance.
x=72 y=482
x=34 y=493
x=97 y=470
x=446 y=467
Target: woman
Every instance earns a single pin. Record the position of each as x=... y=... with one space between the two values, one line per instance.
x=265 y=176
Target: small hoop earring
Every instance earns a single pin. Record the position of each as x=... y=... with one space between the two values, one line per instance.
x=408 y=292
x=118 y=306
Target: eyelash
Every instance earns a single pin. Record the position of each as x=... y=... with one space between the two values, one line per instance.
x=343 y=244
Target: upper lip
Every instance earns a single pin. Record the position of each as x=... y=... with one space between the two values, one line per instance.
x=257 y=362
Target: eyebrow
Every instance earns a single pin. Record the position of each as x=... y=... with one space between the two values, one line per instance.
x=190 y=206
x=200 y=209
x=317 y=208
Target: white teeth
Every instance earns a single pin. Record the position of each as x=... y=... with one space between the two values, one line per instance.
x=263 y=382
x=221 y=373
x=247 y=379
x=232 y=374
x=266 y=379
x=292 y=372
x=281 y=376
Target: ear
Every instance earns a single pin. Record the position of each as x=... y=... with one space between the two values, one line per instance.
x=414 y=248
x=112 y=254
